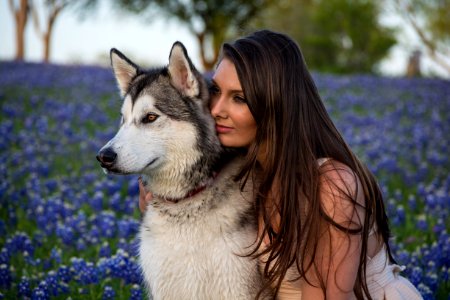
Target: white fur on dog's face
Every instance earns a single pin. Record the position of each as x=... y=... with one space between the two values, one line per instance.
x=144 y=148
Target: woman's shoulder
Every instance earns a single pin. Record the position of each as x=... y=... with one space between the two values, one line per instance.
x=336 y=172
x=340 y=190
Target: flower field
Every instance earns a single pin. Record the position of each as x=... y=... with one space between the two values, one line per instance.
x=69 y=230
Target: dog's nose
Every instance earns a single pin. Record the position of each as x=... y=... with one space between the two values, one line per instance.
x=107 y=157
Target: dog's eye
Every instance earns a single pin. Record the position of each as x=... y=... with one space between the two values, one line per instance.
x=149 y=118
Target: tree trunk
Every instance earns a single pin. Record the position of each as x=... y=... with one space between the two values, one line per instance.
x=429 y=44
x=208 y=64
x=20 y=44
x=46 y=41
x=20 y=16
x=413 y=68
x=47 y=36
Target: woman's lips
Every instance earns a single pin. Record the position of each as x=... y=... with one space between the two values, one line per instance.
x=223 y=129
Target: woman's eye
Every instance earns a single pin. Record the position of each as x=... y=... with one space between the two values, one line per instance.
x=149 y=118
x=240 y=99
x=214 y=90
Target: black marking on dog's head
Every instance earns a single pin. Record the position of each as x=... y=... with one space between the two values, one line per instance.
x=143 y=81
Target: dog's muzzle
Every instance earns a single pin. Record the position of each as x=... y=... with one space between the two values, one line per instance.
x=107 y=158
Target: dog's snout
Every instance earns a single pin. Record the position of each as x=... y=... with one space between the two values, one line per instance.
x=107 y=157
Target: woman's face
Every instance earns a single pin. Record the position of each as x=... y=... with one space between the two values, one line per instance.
x=235 y=125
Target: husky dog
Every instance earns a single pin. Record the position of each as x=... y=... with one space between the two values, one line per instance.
x=200 y=225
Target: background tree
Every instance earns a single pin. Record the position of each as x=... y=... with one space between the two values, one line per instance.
x=430 y=20
x=51 y=11
x=20 y=10
x=339 y=36
x=210 y=21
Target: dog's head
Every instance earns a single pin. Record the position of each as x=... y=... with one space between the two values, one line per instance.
x=166 y=127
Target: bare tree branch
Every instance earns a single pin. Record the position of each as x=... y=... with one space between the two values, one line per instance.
x=431 y=47
x=35 y=18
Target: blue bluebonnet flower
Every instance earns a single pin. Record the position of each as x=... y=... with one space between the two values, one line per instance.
x=66 y=234
x=108 y=293
x=38 y=238
x=129 y=205
x=127 y=227
x=84 y=272
x=412 y=202
x=30 y=260
x=81 y=244
x=41 y=292
x=78 y=222
x=55 y=255
x=133 y=187
x=431 y=280
x=115 y=201
x=64 y=274
x=2 y=223
x=421 y=222
x=52 y=283
x=106 y=223
x=123 y=245
x=445 y=273
x=93 y=235
x=120 y=266
x=113 y=186
x=416 y=275
x=105 y=250
x=136 y=292
x=24 y=288
x=402 y=256
x=400 y=215
x=4 y=256
x=19 y=242
x=425 y=291
x=96 y=201
x=5 y=276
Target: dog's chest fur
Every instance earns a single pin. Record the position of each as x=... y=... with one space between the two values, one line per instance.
x=195 y=249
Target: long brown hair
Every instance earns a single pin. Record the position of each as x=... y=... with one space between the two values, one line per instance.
x=294 y=130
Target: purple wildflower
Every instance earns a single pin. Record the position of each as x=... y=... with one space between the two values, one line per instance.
x=24 y=288
x=108 y=293
x=136 y=292
x=5 y=276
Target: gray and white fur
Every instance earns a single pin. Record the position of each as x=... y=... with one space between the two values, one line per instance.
x=198 y=228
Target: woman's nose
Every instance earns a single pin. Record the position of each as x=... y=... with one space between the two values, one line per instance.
x=218 y=107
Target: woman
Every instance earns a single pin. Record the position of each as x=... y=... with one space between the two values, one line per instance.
x=323 y=231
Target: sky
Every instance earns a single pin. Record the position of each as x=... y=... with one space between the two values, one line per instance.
x=89 y=40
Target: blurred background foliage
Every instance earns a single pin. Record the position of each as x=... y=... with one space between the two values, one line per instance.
x=210 y=21
x=338 y=36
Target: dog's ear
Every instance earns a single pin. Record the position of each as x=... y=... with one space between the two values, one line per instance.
x=124 y=70
x=182 y=71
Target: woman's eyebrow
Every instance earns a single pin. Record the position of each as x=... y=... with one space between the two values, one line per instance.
x=233 y=91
